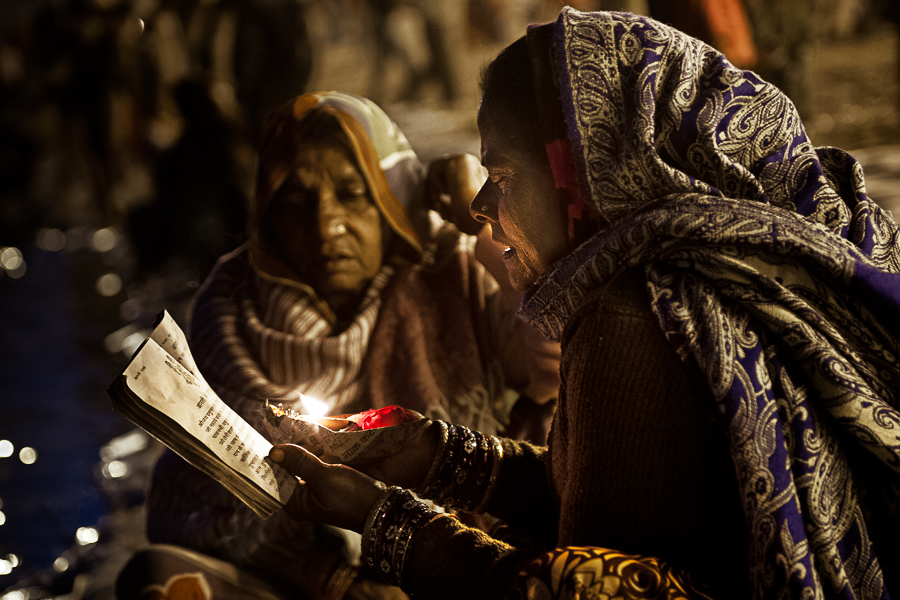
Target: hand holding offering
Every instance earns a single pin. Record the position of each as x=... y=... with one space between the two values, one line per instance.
x=389 y=443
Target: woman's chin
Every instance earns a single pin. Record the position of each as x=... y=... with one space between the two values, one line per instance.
x=520 y=278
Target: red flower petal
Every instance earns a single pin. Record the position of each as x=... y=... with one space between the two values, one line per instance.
x=385 y=417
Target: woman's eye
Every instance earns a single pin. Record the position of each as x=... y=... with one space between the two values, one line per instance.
x=354 y=197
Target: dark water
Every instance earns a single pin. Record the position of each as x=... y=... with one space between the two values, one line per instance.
x=53 y=375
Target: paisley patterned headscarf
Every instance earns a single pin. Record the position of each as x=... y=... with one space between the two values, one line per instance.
x=766 y=264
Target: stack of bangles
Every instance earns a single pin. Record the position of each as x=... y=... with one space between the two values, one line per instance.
x=461 y=476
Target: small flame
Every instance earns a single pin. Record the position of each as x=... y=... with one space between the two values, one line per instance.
x=313 y=407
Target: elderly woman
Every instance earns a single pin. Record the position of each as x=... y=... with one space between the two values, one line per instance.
x=726 y=296
x=351 y=293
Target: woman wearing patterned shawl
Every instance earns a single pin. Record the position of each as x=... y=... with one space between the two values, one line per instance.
x=349 y=292
x=726 y=296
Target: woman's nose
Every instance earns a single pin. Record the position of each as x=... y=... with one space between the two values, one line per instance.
x=332 y=216
x=484 y=206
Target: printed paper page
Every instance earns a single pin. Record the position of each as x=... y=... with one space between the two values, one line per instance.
x=164 y=384
x=171 y=338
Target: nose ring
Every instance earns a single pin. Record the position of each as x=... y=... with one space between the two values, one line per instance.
x=484 y=208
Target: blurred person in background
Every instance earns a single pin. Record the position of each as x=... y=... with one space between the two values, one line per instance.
x=430 y=16
x=198 y=214
x=723 y=24
x=221 y=66
x=784 y=34
x=351 y=291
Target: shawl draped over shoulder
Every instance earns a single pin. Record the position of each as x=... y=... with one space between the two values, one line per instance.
x=767 y=265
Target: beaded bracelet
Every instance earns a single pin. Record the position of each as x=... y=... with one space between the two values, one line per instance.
x=388 y=531
x=464 y=470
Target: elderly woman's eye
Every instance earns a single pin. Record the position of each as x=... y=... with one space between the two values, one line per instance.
x=354 y=197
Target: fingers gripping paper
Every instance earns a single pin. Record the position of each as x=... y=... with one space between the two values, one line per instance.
x=162 y=391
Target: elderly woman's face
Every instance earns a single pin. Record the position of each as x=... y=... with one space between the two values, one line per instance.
x=520 y=201
x=326 y=225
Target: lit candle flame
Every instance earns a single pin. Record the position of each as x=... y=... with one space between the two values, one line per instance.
x=313 y=407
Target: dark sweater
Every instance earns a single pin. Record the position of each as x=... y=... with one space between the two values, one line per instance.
x=637 y=462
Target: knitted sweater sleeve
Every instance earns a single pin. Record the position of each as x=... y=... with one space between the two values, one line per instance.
x=545 y=506
x=450 y=560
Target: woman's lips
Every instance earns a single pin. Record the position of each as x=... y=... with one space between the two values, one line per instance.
x=509 y=253
x=339 y=263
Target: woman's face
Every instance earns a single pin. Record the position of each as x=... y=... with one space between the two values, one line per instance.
x=520 y=200
x=326 y=225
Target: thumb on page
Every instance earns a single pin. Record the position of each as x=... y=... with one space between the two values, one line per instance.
x=296 y=460
x=330 y=494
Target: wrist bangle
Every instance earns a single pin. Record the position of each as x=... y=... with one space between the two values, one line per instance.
x=388 y=534
x=467 y=470
x=497 y=451
x=437 y=460
x=376 y=515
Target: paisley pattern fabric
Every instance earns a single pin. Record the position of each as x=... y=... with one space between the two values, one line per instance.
x=583 y=573
x=768 y=266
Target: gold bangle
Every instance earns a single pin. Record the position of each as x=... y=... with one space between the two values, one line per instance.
x=437 y=460
x=495 y=470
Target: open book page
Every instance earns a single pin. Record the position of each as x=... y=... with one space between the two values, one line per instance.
x=171 y=338
x=180 y=409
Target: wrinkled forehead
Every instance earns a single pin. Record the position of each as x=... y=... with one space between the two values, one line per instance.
x=323 y=162
x=293 y=141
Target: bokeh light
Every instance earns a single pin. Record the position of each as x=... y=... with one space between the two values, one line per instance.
x=6 y=448
x=14 y=595
x=115 y=469
x=5 y=567
x=109 y=284
x=51 y=240
x=131 y=309
x=131 y=343
x=61 y=564
x=13 y=559
x=12 y=261
x=87 y=535
x=104 y=239
x=114 y=341
x=11 y=258
x=2 y=517
x=27 y=455
x=124 y=445
x=17 y=273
